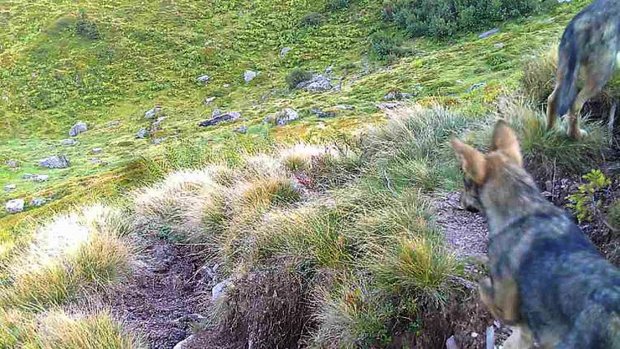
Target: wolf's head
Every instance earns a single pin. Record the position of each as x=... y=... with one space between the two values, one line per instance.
x=497 y=170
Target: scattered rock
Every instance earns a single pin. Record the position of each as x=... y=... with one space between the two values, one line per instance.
x=486 y=34
x=184 y=344
x=241 y=129
x=37 y=202
x=142 y=133
x=451 y=343
x=318 y=83
x=97 y=161
x=397 y=96
x=499 y=45
x=10 y=187
x=78 y=128
x=388 y=105
x=158 y=141
x=40 y=178
x=220 y=289
x=344 y=107
x=218 y=119
x=203 y=79
x=208 y=100
x=28 y=176
x=216 y=112
x=284 y=51
x=69 y=142
x=12 y=163
x=226 y=85
x=329 y=70
x=156 y=111
x=476 y=86
x=282 y=117
x=249 y=75
x=322 y=114
x=15 y=206
x=96 y=150
x=55 y=161
x=156 y=125
x=113 y=124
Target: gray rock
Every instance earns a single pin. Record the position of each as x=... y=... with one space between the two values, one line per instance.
x=249 y=75
x=241 y=129
x=344 y=107
x=322 y=114
x=283 y=117
x=55 y=161
x=329 y=70
x=40 y=178
x=451 y=343
x=113 y=124
x=12 y=163
x=476 y=86
x=156 y=111
x=397 y=96
x=15 y=206
x=96 y=150
x=486 y=34
x=220 y=118
x=10 y=187
x=158 y=141
x=220 y=289
x=184 y=344
x=284 y=51
x=37 y=202
x=69 y=142
x=208 y=100
x=203 y=79
x=226 y=85
x=216 y=112
x=499 y=45
x=78 y=128
x=142 y=133
x=388 y=105
x=156 y=125
x=318 y=83
x=28 y=176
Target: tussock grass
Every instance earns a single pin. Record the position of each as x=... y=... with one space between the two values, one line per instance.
x=59 y=330
x=539 y=72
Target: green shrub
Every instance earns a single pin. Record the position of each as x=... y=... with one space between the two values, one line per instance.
x=86 y=28
x=297 y=76
x=335 y=5
x=586 y=200
x=312 y=19
x=443 y=18
x=386 y=46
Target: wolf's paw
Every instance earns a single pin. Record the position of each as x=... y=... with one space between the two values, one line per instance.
x=577 y=134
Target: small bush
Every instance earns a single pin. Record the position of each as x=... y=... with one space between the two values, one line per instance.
x=386 y=46
x=444 y=18
x=86 y=28
x=586 y=202
x=313 y=19
x=297 y=76
x=335 y=5
x=538 y=77
x=262 y=193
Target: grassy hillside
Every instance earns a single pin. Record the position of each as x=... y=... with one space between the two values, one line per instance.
x=348 y=235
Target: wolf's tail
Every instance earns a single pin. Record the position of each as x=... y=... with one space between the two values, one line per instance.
x=568 y=66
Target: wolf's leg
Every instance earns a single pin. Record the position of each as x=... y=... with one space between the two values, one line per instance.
x=501 y=298
x=552 y=108
x=597 y=75
x=521 y=338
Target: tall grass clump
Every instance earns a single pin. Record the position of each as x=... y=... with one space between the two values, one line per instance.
x=538 y=79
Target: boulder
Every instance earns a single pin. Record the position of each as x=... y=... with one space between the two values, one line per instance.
x=142 y=133
x=397 y=96
x=318 y=83
x=10 y=187
x=220 y=289
x=204 y=79
x=284 y=51
x=78 y=128
x=156 y=111
x=69 y=142
x=220 y=118
x=282 y=117
x=55 y=161
x=37 y=202
x=249 y=75
x=15 y=206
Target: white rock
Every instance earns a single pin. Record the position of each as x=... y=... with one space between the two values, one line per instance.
x=78 y=128
x=220 y=289
x=15 y=206
x=249 y=75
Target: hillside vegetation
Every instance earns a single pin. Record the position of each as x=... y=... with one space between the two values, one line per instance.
x=331 y=230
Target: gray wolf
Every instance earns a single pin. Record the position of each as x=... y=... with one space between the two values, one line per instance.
x=590 y=46
x=547 y=280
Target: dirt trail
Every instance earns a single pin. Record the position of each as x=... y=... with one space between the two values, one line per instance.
x=164 y=296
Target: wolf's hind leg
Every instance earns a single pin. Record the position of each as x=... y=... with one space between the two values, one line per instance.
x=501 y=298
x=552 y=109
x=521 y=338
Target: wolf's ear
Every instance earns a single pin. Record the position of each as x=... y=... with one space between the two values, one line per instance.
x=505 y=140
x=473 y=162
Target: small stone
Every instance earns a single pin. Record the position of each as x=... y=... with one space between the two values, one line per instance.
x=249 y=75
x=27 y=176
x=476 y=86
x=158 y=141
x=549 y=186
x=322 y=114
x=40 y=178
x=203 y=79
x=241 y=129
x=55 y=161
x=37 y=202
x=69 y=142
x=283 y=117
x=10 y=187
x=451 y=343
x=318 y=83
x=388 y=105
x=184 y=344
x=208 y=100
x=488 y=33
x=474 y=335
x=12 y=163
x=344 y=107
x=284 y=51
x=154 y=112
x=156 y=125
x=499 y=45
x=15 y=206
x=96 y=150
x=226 y=85
x=142 y=133
x=224 y=117
x=216 y=112
x=220 y=289
x=78 y=128
x=113 y=124
x=397 y=96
